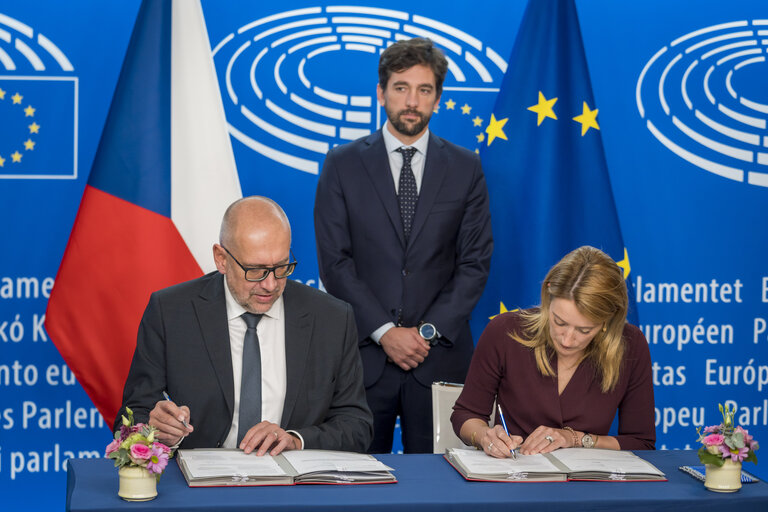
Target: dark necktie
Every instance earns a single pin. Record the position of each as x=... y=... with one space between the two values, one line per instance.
x=250 y=382
x=407 y=194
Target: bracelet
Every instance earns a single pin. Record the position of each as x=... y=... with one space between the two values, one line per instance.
x=575 y=436
x=473 y=440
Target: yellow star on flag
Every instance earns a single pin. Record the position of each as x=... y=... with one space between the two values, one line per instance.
x=480 y=137
x=29 y=111
x=477 y=121
x=465 y=109
x=17 y=98
x=2 y=161
x=2 y=94
x=29 y=145
x=436 y=109
x=34 y=128
x=624 y=264
x=543 y=109
x=496 y=129
x=502 y=309
x=450 y=104
x=588 y=119
x=16 y=157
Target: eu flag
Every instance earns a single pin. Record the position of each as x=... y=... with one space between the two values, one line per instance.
x=544 y=162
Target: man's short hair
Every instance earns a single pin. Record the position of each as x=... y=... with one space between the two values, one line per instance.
x=405 y=54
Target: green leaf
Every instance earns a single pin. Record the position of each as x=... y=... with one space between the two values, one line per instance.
x=751 y=457
x=710 y=458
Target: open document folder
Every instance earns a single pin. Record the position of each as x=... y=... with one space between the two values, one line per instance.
x=558 y=466
x=221 y=467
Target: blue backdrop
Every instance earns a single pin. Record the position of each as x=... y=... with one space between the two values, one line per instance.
x=682 y=104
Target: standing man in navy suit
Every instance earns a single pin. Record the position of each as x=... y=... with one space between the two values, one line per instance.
x=404 y=235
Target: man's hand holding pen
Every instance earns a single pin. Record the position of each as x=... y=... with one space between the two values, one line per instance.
x=171 y=421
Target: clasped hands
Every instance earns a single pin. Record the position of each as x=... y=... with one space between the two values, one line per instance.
x=496 y=443
x=405 y=347
x=169 y=419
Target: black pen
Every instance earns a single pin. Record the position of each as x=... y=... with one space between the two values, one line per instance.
x=165 y=394
x=506 y=430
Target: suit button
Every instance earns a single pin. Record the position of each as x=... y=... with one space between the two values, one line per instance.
x=405 y=272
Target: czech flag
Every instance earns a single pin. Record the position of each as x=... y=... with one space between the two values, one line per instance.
x=161 y=180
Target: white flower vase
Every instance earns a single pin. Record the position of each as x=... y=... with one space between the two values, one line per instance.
x=137 y=484
x=723 y=479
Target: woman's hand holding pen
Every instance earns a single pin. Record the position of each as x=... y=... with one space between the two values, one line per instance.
x=496 y=443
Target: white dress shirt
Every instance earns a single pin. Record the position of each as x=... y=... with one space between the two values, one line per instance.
x=271 y=332
x=418 y=160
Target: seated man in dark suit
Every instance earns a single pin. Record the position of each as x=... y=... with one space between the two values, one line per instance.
x=252 y=359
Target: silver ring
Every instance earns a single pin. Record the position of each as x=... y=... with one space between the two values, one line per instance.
x=275 y=432
x=549 y=438
x=490 y=446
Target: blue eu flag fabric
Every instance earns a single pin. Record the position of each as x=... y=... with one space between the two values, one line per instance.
x=544 y=162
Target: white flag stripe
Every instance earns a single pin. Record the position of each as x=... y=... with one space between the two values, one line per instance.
x=204 y=178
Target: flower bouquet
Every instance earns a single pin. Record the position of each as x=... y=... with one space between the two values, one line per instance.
x=140 y=458
x=724 y=448
x=724 y=441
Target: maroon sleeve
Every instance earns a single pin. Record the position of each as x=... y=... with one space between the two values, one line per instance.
x=637 y=430
x=485 y=372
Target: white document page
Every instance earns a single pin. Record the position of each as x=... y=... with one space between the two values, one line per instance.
x=609 y=461
x=312 y=461
x=223 y=463
x=478 y=462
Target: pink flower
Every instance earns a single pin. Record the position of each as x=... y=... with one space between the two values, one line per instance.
x=735 y=455
x=712 y=429
x=112 y=447
x=140 y=451
x=158 y=461
x=713 y=440
x=162 y=447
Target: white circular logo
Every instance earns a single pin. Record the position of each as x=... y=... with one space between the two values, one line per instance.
x=299 y=82
x=704 y=97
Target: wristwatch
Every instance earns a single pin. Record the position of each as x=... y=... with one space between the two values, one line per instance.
x=428 y=332
x=587 y=441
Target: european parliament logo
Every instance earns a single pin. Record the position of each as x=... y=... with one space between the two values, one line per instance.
x=297 y=83
x=703 y=97
x=38 y=132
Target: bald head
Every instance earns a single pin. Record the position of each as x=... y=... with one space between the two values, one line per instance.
x=249 y=215
x=255 y=233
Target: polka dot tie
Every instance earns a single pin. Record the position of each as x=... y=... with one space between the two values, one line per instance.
x=407 y=195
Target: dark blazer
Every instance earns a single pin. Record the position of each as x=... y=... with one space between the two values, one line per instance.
x=437 y=277
x=183 y=347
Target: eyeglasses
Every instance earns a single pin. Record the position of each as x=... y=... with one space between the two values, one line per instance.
x=256 y=274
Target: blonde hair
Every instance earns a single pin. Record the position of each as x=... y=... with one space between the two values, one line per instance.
x=593 y=281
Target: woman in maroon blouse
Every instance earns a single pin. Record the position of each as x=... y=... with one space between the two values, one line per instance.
x=561 y=371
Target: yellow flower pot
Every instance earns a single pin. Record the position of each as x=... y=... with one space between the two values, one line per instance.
x=137 y=484
x=723 y=479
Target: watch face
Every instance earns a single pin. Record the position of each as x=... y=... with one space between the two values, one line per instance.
x=427 y=331
x=587 y=441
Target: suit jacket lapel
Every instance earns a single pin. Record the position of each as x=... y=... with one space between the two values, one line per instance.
x=298 y=335
x=376 y=162
x=211 y=309
x=431 y=182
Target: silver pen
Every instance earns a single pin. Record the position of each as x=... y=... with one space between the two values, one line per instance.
x=165 y=394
